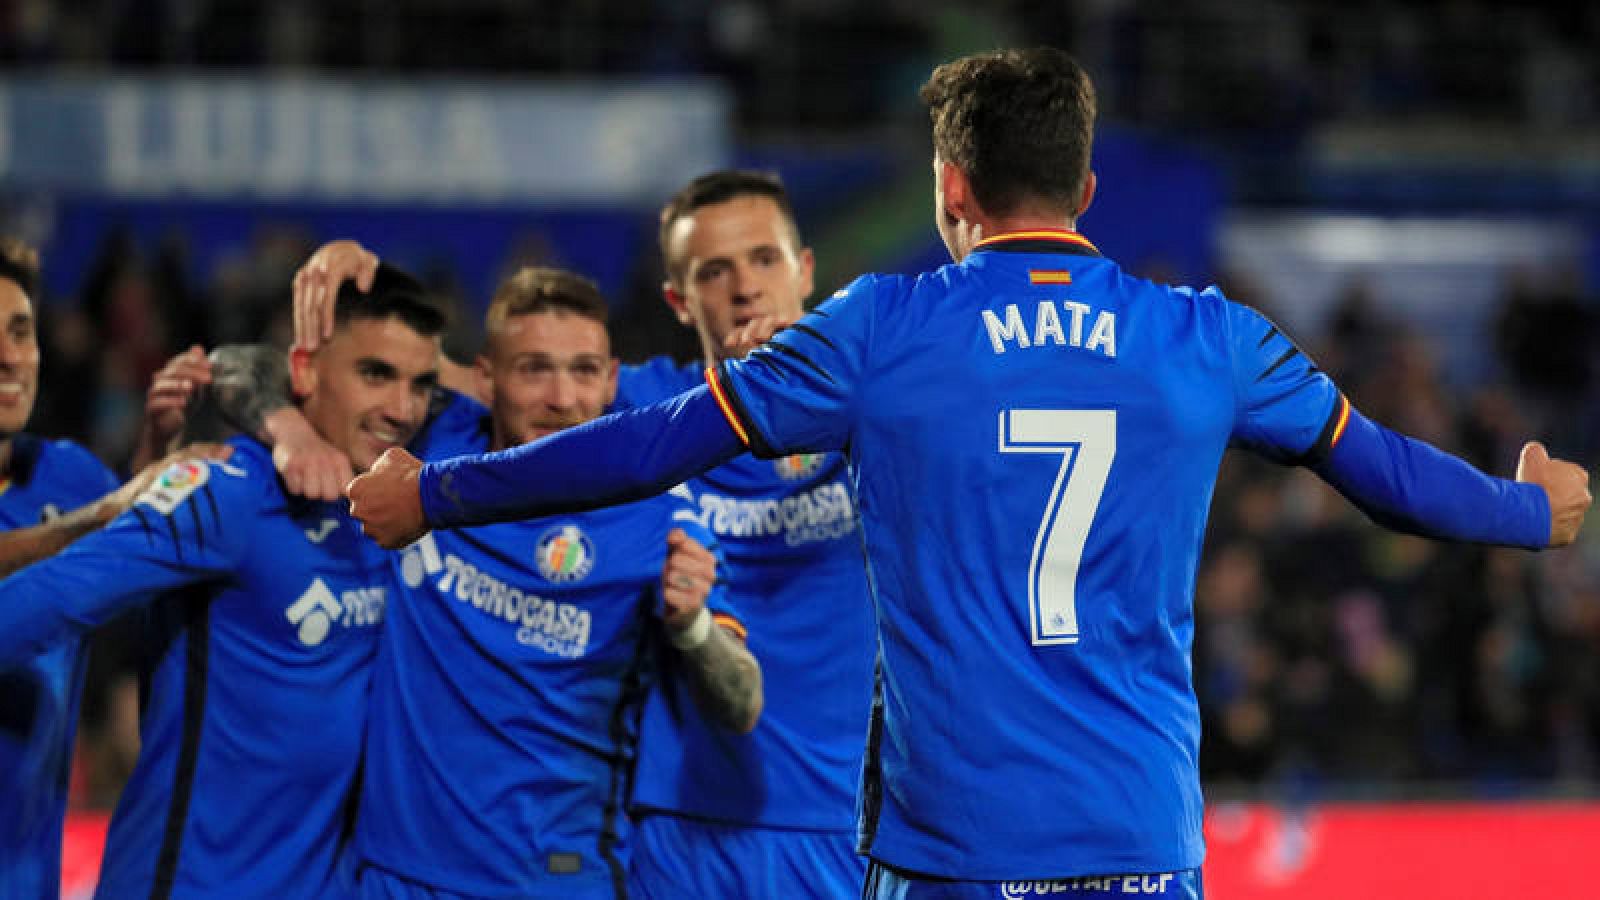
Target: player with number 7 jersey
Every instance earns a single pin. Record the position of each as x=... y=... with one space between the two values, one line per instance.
x=1037 y=620
x=1038 y=718
x=1036 y=436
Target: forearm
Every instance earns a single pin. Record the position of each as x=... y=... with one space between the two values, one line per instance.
x=148 y=448
x=724 y=679
x=63 y=598
x=615 y=459
x=25 y=546
x=1407 y=485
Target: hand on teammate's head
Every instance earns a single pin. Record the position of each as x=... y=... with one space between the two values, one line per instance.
x=166 y=402
x=316 y=285
x=173 y=387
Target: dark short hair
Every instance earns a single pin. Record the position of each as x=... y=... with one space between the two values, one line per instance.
x=1018 y=123
x=394 y=295
x=19 y=262
x=538 y=289
x=720 y=187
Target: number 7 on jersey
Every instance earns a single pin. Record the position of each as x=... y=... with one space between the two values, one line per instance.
x=1086 y=440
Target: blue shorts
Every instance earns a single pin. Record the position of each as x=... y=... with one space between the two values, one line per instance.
x=373 y=883
x=677 y=858
x=376 y=884
x=884 y=883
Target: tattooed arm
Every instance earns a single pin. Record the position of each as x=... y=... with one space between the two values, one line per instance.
x=250 y=390
x=22 y=547
x=724 y=677
x=193 y=397
x=249 y=393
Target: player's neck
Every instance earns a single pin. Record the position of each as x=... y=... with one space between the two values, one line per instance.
x=708 y=352
x=5 y=458
x=1014 y=224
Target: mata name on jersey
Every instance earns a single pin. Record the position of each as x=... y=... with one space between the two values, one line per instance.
x=1063 y=327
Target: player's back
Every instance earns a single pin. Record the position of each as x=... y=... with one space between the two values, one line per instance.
x=1053 y=445
x=39 y=699
x=1037 y=435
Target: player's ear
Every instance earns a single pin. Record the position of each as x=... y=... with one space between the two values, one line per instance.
x=484 y=366
x=1088 y=195
x=613 y=368
x=675 y=300
x=302 y=373
x=808 y=271
x=955 y=193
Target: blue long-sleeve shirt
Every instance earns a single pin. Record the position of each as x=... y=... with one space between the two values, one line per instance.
x=39 y=696
x=260 y=616
x=1035 y=436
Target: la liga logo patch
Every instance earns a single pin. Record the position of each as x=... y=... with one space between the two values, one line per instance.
x=174 y=485
x=564 y=553
x=184 y=474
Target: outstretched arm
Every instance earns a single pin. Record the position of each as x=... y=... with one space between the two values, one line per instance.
x=23 y=547
x=244 y=388
x=614 y=459
x=1410 y=486
x=175 y=533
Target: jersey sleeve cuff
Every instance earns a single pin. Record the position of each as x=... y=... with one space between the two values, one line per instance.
x=1532 y=518
x=737 y=414
x=1332 y=432
x=430 y=487
x=730 y=623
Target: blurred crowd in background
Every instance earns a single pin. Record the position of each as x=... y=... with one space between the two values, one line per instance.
x=804 y=64
x=1331 y=657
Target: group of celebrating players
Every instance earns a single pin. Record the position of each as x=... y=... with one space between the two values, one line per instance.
x=625 y=644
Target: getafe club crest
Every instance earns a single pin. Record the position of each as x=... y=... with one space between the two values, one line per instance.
x=798 y=466
x=564 y=553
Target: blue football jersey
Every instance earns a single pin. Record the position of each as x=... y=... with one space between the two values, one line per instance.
x=455 y=424
x=788 y=530
x=1036 y=436
x=39 y=697
x=506 y=696
x=261 y=617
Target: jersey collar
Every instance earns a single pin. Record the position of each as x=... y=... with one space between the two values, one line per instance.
x=1040 y=240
